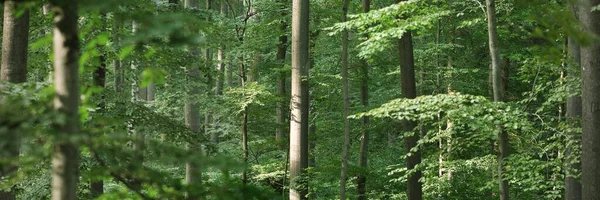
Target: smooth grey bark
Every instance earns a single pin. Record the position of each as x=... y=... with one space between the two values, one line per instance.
x=409 y=91
x=345 y=94
x=13 y=69
x=590 y=65
x=361 y=180
x=192 y=113
x=299 y=100
x=66 y=66
x=499 y=93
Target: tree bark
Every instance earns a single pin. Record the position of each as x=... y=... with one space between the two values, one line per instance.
x=345 y=93
x=281 y=80
x=193 y=174
x=572 y=184
x=299 y=100
x=409 y=91
x=66 y=67
x=499 y=93
x=13 y=69
x=99 y=79
x=15 y=38
x=364 y=99
x=590 y=64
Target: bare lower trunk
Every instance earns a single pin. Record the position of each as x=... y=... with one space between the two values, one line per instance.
x=299 y=100
x=66 y=65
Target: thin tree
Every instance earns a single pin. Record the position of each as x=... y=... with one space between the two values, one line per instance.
x=590 y=65
x=572 y=184
x=66 y=66
x=191 y=110
x=281 y=78
x=345 y=94
x=299 y=100
x=498 y=90
x=409 y=91
x=13 y=69
x=361 y=181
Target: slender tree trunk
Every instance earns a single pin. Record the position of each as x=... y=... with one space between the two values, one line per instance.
x=99 y=79
x=299 y=100
x=572 y=184
x=590 y=64
x=66 y=66
x=409 y=91
x=281 y=80
x=345 y=89
x=119 y=78
x=193 y=174
x=499 y=92
x=364 y=142
x=13 y=69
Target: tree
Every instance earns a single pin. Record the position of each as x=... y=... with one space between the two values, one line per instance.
x=364 y=99
x=66 y=66
x=590 y=157
x=499 y=91
x=191 y=110
x=409 y=91
x=299 y=100
x=15 y=39
x=282 y=78
x=572 y=184
x=345 y=94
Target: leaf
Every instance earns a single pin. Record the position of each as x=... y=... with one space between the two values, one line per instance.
x=126 y=51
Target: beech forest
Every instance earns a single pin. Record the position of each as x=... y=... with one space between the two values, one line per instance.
x=300 y=99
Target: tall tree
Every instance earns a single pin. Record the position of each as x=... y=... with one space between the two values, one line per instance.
x=345 y=94
x=299 y=100
x=499 y=91
x=282 y=77
x=590 y=65
x=572 y=184
x=191 y=109
x=364 y=99
x=99 y=79
x=409 y=91
x=15 y=36
x=66 y=66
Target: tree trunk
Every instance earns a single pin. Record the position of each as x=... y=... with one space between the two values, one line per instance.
x=13 y=69
x=590 y=64
x=119 y=72
x=193 y=174
x=409 y=91
x=346 y=143
x=499 y=93
x=299 y=100
x=15 y=36
x=66 y=66
x=99 y=79
x=364 y=142
x=572 y=184
x=281 y=80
